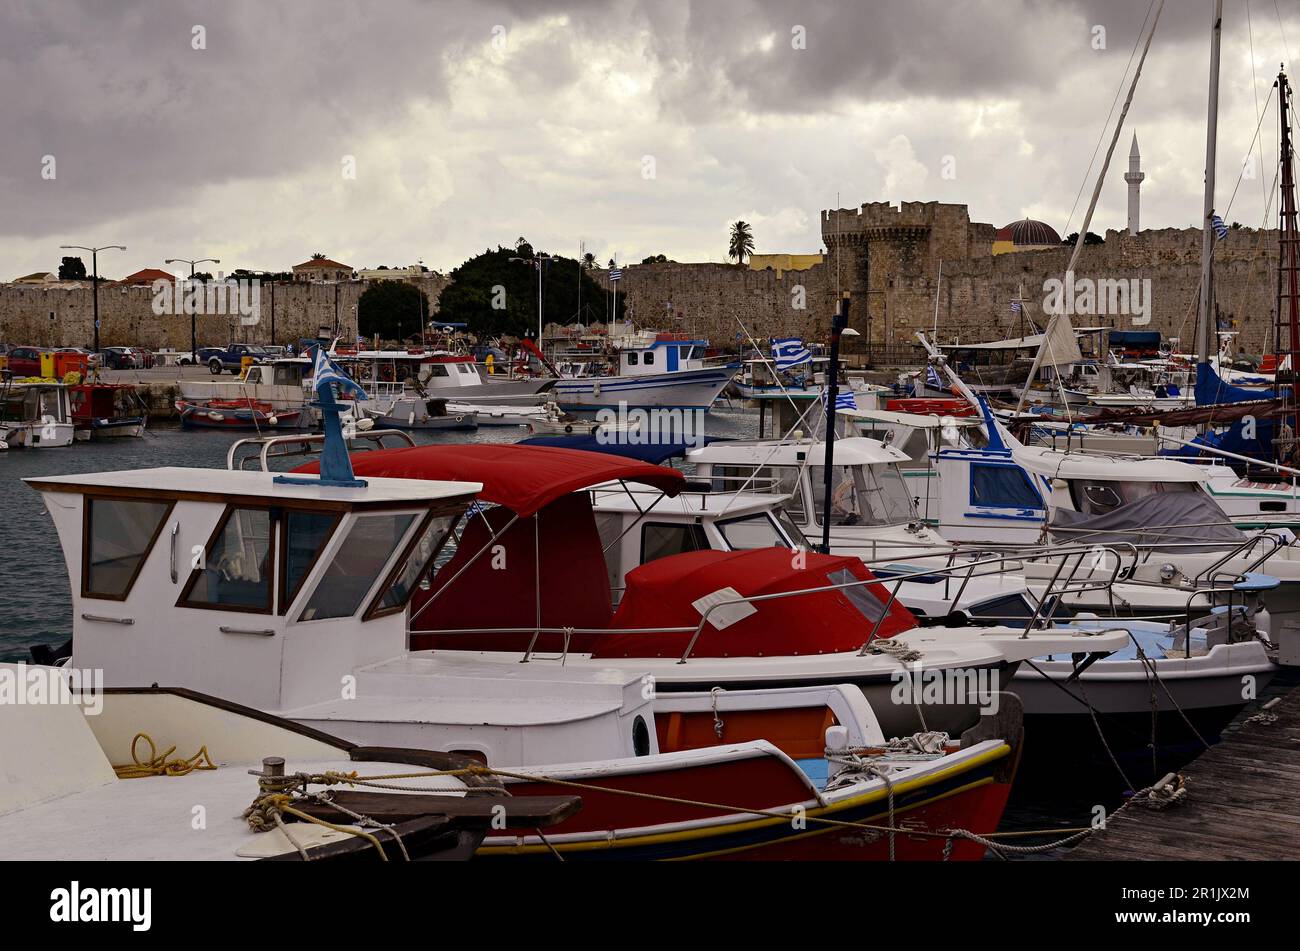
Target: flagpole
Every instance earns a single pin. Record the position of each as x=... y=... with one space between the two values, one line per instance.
x=838 y=323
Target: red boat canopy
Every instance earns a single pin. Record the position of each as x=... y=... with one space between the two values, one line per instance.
x=524 y=479
x=662 y=594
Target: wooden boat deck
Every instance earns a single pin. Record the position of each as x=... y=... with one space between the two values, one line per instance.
x=1241 y=802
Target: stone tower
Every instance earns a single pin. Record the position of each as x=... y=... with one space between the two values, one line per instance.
x=1134 y=177
x=886 y=256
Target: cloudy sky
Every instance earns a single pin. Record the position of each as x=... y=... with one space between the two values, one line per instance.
x=394 y=130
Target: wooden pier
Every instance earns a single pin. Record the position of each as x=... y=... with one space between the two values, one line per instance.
x=1242 y=801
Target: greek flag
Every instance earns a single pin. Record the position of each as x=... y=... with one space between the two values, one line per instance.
x=1219 y=227
x=614 y=274
x=327 y=371
x=844 y=398
x=789 y=352
x=932 y=379
x=1015 y=307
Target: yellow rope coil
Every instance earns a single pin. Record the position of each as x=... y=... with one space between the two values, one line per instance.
x=157 y=764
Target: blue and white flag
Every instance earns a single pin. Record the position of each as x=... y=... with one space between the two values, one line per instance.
x=789 y=352
x=1219 y=227
x=328 y=372
x=932 y=379
x=1015 y=307
x=844 y=398
x=615 y=273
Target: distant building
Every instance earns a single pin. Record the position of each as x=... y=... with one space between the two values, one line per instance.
x=38 y=277
x=1025 y=235
x=146 y=277
x=784 y=262
x=410 y=273
x=322 y=269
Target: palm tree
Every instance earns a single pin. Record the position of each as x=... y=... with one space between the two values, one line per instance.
x=742 y=242
x=588 y=261
x=318 y=255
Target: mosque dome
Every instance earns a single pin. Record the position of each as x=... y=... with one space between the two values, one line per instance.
x=1028 y=233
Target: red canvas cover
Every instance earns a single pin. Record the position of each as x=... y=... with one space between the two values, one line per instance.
x=660 y=594
x=525 y=479
x=498 y=589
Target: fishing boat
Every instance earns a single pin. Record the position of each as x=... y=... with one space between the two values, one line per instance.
x=35 y=414
x=411 y=411
x=101 y=411
x=115 y=775
x=663 y=370
x=283 y=382
x=822 y=621
x=246 y=413
x=305 y=580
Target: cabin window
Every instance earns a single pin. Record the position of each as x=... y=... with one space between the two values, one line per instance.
x=119 y=534
x=1003 y=487
x=662 y=539
x=419 y=557
x=860 y=595
x=464 y=368
x=304 y=536
x=863 y=495
x=1011 y=608
x=649 y=357
x=437 y=369
x=356 y=565
x=289 y=374
x=752 y=531
x=633 y=359
x=236 y=570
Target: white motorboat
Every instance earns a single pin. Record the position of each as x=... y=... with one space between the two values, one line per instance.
x=654 y=370
x=35 y=415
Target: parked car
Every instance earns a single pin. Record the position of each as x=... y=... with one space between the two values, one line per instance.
x=143 y=358
x=232 y=357
x=117 y=358
x=24 y=361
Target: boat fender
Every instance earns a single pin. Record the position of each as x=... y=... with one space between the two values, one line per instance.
x=568 y=427
x=215 y=417
x=272 y=420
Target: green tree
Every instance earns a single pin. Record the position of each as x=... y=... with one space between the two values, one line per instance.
x=395 y=310
x=1089 y=238
x=72 y=269
x=742 y=242
x=493 y=295
x=588 y=261
x=318 y=255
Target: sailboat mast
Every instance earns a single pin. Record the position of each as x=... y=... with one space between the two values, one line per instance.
x=1288 y=299
x=1205 y=307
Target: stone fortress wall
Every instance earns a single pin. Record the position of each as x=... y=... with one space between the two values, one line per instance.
x=885 y=256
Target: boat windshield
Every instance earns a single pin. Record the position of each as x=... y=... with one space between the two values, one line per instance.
x=862 y=495
x=759 y=530
x=1098 y=496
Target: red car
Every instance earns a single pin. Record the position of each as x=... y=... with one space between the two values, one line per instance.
x=25 y=361
x=143 y=358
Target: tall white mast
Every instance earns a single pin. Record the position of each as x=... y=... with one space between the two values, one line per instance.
x=1205 y=308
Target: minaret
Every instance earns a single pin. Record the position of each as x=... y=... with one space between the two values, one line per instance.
x=1134 y=177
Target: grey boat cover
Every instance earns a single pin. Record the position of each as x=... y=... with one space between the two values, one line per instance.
x=1162 y=518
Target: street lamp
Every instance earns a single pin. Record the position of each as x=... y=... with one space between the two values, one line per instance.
x=194 y=330
x=94 y=282
x=537 y=263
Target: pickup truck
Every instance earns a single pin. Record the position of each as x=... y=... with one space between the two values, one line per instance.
x=230 y=358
